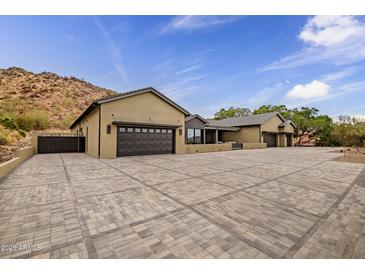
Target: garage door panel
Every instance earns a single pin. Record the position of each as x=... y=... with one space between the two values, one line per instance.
x=270 y=139
x=144 y=141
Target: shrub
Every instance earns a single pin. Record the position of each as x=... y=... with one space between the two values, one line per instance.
x=4 y=140
x=66 y=122
x=8 y=122
x=34 y=119
x=22 y=132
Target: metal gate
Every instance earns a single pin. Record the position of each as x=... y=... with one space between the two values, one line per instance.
x=144 y=141
x=270 y=139
x=60 y=144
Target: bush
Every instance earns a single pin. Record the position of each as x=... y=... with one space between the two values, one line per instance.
x=8 y=122
x=4 y=140
x=22 y=132
x=34 y=119
x=66 y=122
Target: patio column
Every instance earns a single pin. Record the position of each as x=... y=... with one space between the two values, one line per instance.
x=216 y=136
x=204 y=141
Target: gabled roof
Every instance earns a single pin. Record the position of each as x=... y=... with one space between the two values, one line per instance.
x=286 y=123
x=249 y=120
x=191 y=117
x=119 y=96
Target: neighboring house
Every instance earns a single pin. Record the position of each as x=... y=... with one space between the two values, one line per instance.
x=270 y=128
x=138 y=122
x=144 y=121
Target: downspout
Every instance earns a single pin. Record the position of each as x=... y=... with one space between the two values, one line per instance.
x=99 y=131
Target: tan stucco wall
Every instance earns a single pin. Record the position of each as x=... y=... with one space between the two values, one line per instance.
x=142 y=108
x=272 y=125
x=254 y=145
x=197 y=148
x=91 y=122
x=289 y=129
x=21 y=155
x=281 y=139
x=245 y=135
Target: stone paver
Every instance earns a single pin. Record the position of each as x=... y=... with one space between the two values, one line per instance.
x=233 y=180
x=268 y=226
x=183 y=234
x=108 y=212
x=269 y=203
x=101 y=186
x=159 y=177
x=192 y=191
x=342 y=234
x=305 y=199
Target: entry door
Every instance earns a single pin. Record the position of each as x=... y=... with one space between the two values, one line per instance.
x=270 y=139
x=289 y=140
x=144 y=141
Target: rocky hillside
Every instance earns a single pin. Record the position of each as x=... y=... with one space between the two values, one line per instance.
x=62 y=98
x=44 y=101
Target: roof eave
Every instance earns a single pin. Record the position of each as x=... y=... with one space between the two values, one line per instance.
x=144 y=90
x=88 y=110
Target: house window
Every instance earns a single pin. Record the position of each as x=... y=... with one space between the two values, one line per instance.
x=194 y=136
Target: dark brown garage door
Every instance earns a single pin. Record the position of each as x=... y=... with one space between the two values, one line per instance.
x=144 y=141
x=270 y=139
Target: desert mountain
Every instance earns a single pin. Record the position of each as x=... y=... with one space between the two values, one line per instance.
x=62 y=98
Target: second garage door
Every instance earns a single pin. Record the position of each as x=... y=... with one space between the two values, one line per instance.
x=144 y=141
x=270 y=139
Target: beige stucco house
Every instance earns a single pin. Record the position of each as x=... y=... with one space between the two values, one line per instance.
x=145 y=121
x=139 y=122
x=270 y=128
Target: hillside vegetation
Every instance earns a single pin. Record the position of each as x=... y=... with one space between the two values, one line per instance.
x=43 y=101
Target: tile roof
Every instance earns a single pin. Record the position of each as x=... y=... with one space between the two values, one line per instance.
x=287 y=122
x=196 y=116
x=248 y=120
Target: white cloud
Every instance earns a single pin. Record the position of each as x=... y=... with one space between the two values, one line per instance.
x=338 y=40
x=330 y=30
x=312 y=90
x=264 y=95
x=334 y=76
x=189 y=69
x=191 y=22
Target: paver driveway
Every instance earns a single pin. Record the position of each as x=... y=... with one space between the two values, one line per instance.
x=272 y=203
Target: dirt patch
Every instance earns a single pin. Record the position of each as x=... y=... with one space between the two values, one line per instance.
x=351 y=155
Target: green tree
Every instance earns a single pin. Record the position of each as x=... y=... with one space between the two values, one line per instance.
x=231 y=112
x=282 y=109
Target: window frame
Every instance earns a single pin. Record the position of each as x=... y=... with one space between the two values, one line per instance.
x=197 y=136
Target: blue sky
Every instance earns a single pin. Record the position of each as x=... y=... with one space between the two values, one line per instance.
x=202 y=62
